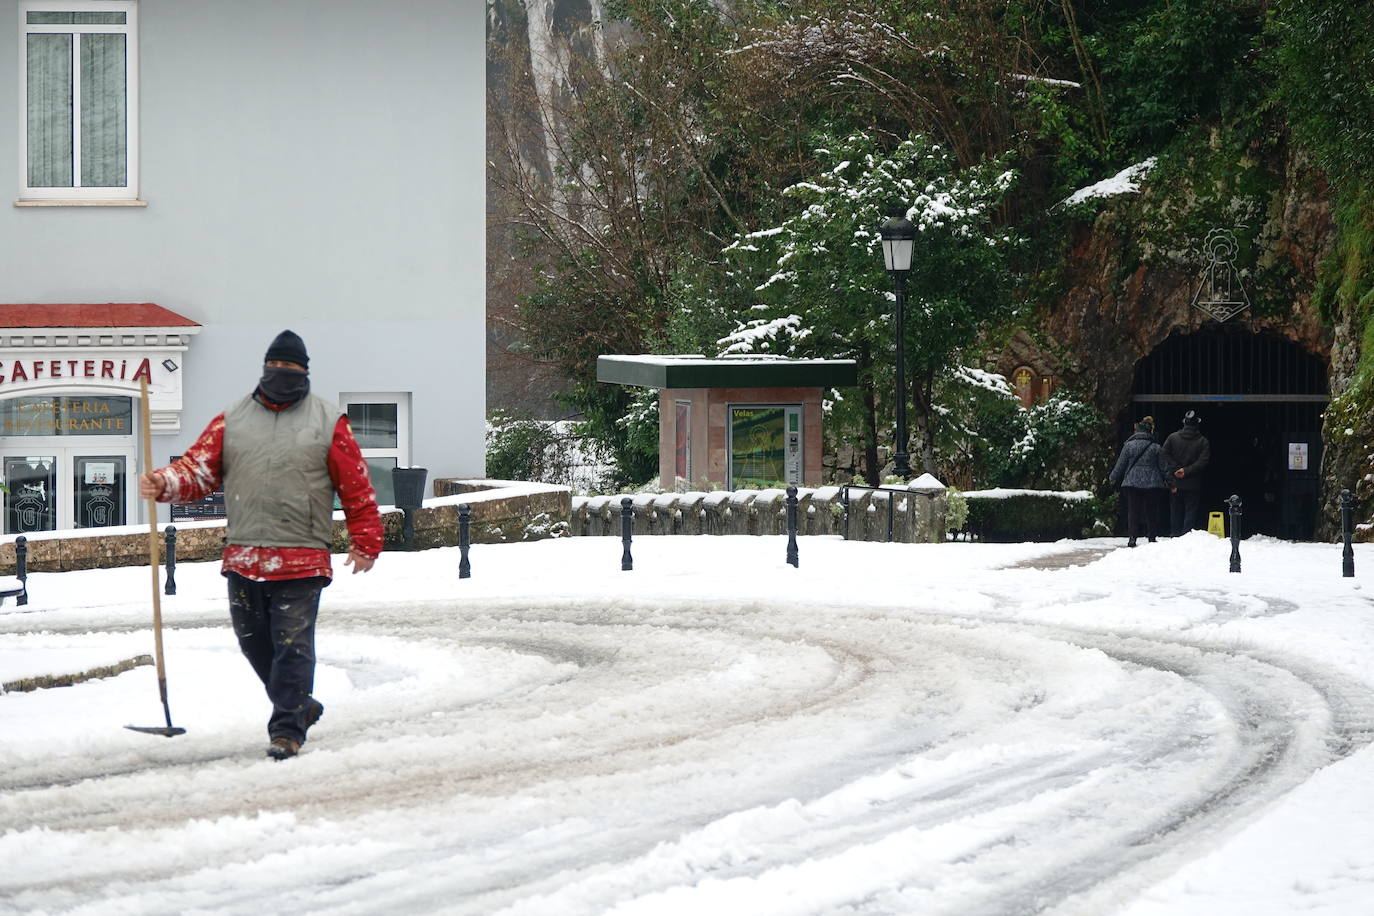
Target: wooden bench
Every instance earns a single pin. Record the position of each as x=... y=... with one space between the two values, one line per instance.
x=17 y=587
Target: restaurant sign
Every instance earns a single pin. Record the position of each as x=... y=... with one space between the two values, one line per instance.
x=67 y=416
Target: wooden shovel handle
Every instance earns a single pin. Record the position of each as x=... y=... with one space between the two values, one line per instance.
x=152 y=532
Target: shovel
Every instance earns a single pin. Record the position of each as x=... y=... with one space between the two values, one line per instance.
x=169 y=730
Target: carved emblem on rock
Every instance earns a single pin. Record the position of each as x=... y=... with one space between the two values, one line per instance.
x=1221 y=294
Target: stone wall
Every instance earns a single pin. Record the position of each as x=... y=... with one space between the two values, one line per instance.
x=502 y=511
x=917 y=514
x=511 y=511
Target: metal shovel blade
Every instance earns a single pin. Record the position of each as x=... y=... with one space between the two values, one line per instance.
x=166 y=731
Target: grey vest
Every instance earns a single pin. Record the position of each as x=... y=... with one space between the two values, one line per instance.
x=277 y=488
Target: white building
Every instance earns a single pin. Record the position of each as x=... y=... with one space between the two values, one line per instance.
x=190 y=177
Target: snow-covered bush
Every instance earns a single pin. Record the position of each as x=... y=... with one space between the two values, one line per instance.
x=544 y=451
x=989 y=440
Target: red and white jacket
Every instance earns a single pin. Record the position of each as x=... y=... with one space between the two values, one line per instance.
x=199 y=472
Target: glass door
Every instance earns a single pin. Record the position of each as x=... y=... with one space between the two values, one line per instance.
x=68 y=462
x=31 y=503
x=98 y=490
x=53 y=489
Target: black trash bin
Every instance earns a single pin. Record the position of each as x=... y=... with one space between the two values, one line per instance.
x=408 y=484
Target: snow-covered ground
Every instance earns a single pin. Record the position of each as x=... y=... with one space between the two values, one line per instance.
x=956 y=729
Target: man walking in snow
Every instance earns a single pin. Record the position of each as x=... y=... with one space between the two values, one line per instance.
x=281 y=453
x=1185 y=455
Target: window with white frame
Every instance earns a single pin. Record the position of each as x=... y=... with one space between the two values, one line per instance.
x=78 y=100
x=381 y=424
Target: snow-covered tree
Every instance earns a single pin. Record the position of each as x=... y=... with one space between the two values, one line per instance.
x=813 y=284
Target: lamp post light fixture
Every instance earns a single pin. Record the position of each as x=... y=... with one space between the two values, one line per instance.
x=899 y=238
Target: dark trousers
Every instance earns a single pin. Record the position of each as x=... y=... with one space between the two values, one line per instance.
x=275 y=626
x=1185 y=511
x=1140 y=511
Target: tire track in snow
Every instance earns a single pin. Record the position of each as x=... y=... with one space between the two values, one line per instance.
x=858 y=796
x=1267 y=704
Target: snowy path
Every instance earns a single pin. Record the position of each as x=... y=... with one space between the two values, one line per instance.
x=978 y=740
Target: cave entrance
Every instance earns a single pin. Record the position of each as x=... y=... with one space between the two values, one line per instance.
x=1261 y=400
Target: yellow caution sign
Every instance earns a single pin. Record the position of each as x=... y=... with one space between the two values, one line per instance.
x=1216 y=524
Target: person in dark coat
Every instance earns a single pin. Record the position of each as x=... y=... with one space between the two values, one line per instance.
x=1139 y=472
x=1185 y=455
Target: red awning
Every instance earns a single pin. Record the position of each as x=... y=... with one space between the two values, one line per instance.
x=91 y=315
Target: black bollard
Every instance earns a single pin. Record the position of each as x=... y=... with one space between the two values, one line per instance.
x=1347 y=554
x=464 y=540
x=627 y=521
x=21 y=567
x=1234 y=503
x=792 y=557
x=170 y=537
x=844 y=496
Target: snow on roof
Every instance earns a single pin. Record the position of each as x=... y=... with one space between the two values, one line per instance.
x=698 y=359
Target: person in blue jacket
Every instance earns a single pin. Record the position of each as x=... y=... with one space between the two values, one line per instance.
x=1141 y=475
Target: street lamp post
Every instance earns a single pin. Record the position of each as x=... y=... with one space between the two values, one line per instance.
x=899 y=238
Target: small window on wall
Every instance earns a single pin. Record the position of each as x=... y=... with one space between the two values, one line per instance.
x=381 y=424
x=78 y=100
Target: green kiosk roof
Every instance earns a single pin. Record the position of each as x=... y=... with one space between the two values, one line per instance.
x=738 y=372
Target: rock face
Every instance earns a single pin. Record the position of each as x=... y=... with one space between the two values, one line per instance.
x=529 y=43
x=1131 y=271
x=1123 y=294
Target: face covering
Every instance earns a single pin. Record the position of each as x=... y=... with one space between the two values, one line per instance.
x=284 y=386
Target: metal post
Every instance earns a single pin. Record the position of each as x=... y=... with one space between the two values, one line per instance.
x=902 y=460
x=891 y=508
x=170 y=536
x=464 y=540
x=627 y=520
x=792 y=557
x=21 y=567
x=1234 y=503
x=1348 y=553
x=408 y=527
x=844 y=497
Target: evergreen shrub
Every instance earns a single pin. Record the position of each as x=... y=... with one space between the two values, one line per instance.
x=1029 y=516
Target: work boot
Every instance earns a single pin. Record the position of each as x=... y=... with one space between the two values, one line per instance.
x=312 y=715
x=1131 y=542
x=283 y=747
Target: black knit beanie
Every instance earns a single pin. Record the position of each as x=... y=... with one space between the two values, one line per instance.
x=1191 y=419
x=289 y=347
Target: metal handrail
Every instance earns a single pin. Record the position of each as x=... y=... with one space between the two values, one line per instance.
x=891 y=505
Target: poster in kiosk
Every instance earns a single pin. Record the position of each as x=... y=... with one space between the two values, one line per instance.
x=765 y=445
